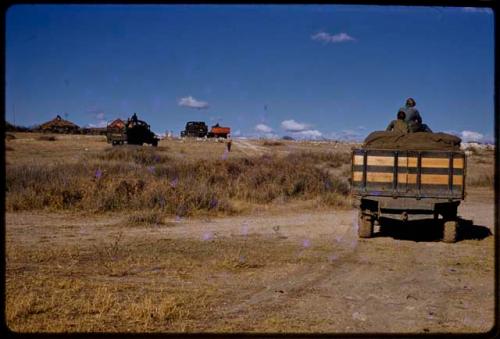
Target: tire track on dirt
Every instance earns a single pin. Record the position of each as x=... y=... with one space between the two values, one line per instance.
x=250 y=149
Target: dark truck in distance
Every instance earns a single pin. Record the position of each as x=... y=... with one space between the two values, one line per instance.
x=199 y=129
x=405 y=181
x=133 y=132
x=196 y=129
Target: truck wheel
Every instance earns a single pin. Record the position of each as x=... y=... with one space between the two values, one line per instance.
x=154 y=143
x=365 y=226
x=450 y=231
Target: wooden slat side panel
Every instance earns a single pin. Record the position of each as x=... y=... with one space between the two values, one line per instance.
x=378 y=177
x=358 y=160
x=379 y=161
x=458 y=180
x=357 y=176
x=440 y=179
x=435 y=162
x=458 y=163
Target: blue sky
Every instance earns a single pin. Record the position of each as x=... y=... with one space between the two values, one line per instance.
x=315 y=71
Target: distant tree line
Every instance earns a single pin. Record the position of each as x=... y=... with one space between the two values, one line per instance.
x=57 y=129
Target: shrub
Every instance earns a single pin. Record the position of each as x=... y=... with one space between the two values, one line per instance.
x=47 y=138
x=272 y=143
x=131 y=178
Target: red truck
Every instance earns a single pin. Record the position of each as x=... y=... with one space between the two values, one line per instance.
x=218 y=131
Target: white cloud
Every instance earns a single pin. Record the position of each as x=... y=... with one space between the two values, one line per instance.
x=236 y=133
x=477 y=10
x=348 y=134
x=328 y=38
x=293 y=126
x=100 y=124
x=263 y=128
x=192 y=103
x=308 y=134
x=99 y=118
x=471 y=136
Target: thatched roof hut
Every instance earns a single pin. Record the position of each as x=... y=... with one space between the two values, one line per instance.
x=59 y=125
x=118 y=124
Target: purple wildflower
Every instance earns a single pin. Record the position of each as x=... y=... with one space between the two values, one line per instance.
x=174 y=182
x=151 y=169
x=244 y=229
x=306 y=243
x=98 y=174
x=213 y=203
x=162 y=202
x=207 y=236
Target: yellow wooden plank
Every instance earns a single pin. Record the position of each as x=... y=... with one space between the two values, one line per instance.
x=410 y=162
x=434 y=179
x=357 y=176
x=378 y=177
x=412 y=179
x=440 y=179
x=380 y=161
x=458 y=163
x=458 y=180
x=402 y=178
x=358 y=160
x=435 y=162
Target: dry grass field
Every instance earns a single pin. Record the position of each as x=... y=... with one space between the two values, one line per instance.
x=189 y=238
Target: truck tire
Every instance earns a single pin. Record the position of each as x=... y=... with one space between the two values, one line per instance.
x=155 y=143
x=365 y=225
x=450 y=231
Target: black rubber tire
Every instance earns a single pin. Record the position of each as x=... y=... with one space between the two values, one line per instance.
x=450 y=229
x=365 y=226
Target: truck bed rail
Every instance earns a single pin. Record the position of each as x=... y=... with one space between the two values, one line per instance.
x=413 y=174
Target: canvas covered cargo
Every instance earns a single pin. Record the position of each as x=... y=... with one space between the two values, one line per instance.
x=421 y=141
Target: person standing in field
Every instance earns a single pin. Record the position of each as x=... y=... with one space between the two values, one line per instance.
x=399 y=125
x=228 y=143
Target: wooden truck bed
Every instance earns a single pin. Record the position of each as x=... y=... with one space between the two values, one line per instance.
x=408 y=174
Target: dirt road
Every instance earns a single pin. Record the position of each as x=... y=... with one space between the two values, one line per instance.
x=295 y=272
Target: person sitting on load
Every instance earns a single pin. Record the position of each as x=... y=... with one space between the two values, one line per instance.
x=399 y=125
x=413 y=117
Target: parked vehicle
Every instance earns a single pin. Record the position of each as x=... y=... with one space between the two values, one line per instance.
x=196 y=129
x=218 y=131
x=133 y=132
x=399 y=183
x=199 y=129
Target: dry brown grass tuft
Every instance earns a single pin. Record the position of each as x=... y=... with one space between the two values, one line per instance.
x=134 y=178
x=147 y=218
x=272 y=143
x=122 y=284
x=480 y=168
x=47 y=138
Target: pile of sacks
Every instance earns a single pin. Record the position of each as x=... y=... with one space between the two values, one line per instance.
x=418 y=141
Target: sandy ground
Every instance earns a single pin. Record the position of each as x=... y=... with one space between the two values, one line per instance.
x=402 y=280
